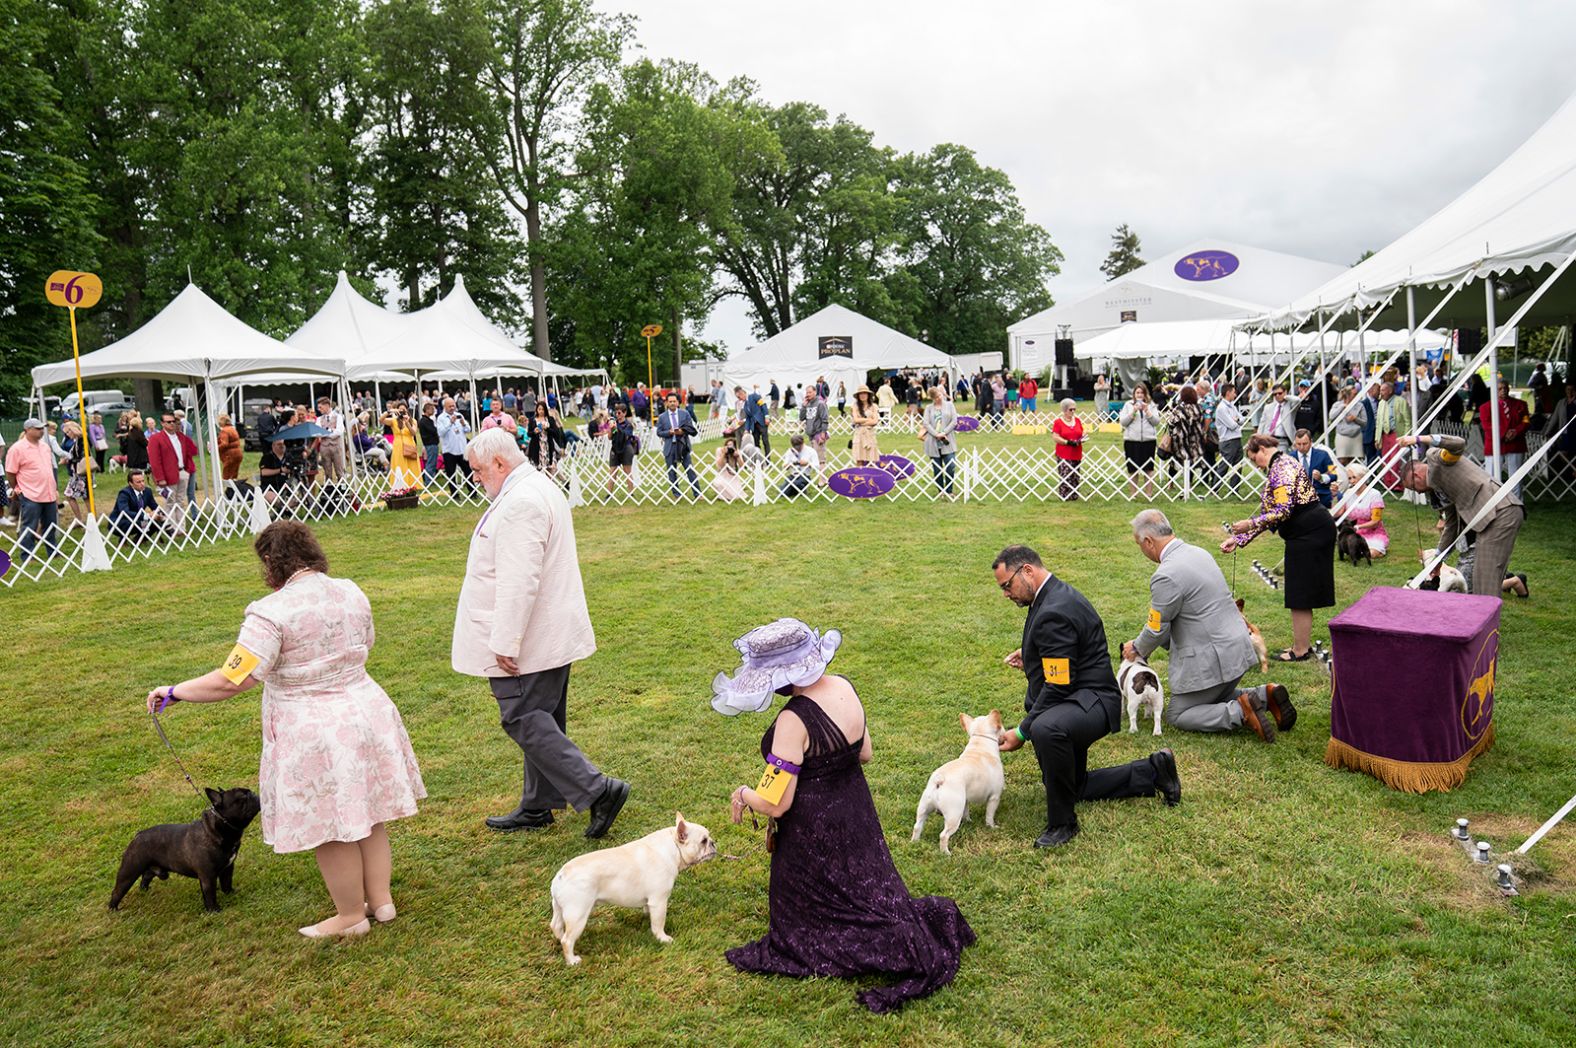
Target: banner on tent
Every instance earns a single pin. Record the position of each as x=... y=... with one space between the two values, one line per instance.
x=835 y=346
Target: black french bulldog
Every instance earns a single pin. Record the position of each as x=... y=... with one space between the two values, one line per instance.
x=204 y=848
x=1352 y=546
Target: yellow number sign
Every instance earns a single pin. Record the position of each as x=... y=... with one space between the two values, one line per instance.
x=651 y=331
x=67 y=287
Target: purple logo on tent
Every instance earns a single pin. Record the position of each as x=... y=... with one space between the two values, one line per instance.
x=861 y=482
x=967 y=424
x=896 y=465
x=1206 y=265
x=5 y=562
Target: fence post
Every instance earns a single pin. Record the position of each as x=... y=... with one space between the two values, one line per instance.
x=575 y=497
x=968 y=474
x=759 y=498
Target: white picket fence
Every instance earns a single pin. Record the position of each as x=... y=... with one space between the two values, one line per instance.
x=1027 y=474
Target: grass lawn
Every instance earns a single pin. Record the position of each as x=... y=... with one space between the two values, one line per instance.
x=1281 y=903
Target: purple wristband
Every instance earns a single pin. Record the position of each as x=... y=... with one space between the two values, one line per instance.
x=777 y=762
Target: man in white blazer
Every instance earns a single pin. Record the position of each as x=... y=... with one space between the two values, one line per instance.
x=521 y=622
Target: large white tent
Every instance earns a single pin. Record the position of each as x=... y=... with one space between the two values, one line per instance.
x=836 y=343
x=1208 y=279
x=349 y=325
x=451 y=335
x=192 y=337
x=1520 y=217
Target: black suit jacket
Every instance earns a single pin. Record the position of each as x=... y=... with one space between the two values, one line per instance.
x=1065 y=655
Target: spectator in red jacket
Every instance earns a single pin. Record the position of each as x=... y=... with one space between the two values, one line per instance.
x=1028 y=393
x=173 y=458
x=1514 y=421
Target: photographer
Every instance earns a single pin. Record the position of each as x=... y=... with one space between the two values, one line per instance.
x=272 y=472
x=404 y=447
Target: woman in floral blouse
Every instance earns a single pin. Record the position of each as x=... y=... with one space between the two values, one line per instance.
x=1290 y=506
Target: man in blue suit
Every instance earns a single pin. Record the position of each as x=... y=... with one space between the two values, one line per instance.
x=136 y=511
x=1317 y=463
x=676 y=426
x=755 y=420
x=1370 y=411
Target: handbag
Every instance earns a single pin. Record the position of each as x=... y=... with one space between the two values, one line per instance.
x=1164 y=443
x=101 y=444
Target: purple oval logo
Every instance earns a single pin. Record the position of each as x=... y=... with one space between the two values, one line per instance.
x=861 y=482
x=1206 y=265
x=967 y=424
x=896 y=465
x=5 y=562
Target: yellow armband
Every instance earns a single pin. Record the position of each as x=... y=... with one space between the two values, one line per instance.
x=774 y=781
x=1057 y=671
x=1154 y=619
x=239 y=664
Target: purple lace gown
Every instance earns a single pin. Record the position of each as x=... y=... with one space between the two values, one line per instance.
x=838 y=904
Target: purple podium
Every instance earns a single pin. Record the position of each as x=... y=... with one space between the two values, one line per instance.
x=1412 y=689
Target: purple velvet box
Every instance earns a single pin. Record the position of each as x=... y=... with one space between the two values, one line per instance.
x=1412 y=689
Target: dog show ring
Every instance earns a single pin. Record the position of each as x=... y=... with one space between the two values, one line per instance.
x=1412 y=687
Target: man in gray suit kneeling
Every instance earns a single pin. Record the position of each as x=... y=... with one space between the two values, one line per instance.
x=1192 y=615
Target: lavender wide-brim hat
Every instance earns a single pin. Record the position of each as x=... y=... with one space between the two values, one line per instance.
x=777 y=657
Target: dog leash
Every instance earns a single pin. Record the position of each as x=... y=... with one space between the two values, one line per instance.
x=208 y=805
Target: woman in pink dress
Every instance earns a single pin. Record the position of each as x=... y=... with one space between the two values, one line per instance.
x=1367 y=512
x=337 y=763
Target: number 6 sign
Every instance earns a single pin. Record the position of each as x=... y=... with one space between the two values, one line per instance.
x=67 y=287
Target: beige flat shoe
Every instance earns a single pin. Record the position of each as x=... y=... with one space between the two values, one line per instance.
x=383 y=914
x=361 y=927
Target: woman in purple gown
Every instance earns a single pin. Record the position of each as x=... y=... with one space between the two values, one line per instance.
x=838 y=905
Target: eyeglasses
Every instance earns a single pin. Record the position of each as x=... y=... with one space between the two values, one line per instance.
x=1005 y=586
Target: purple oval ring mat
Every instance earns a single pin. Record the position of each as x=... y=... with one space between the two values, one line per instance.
x=896 y=465
x=967 y=424
x=5 y=562
x=861 y=482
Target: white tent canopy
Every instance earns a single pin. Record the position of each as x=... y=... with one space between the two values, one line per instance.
x=451 y=335
x=1203 y=338
x=1520 y=216
x=192 y=337
x=349 y=325
x=1208 y=279
x=860 y=345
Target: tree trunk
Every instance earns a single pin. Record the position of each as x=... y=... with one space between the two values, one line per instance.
x=678 y=347
x=533 y=240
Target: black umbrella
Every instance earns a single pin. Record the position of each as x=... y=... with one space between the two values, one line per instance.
x=301 y=431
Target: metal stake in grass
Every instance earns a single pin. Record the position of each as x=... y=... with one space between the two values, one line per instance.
x=1505 y=879
x=1460 y=832
x=1484 y=854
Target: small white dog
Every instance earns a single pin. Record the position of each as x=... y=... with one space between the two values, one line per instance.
x=1450 y=579
x=1140 y=688
x=974 y=778
x=638 y=874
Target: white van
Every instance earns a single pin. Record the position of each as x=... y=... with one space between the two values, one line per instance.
x=100 y=401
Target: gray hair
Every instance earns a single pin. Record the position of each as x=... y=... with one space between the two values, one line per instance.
x=1152 y=524
x=1069 y=402
x=495 y=443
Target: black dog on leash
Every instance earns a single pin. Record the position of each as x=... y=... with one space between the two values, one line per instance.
x=1352 y=546
x=204 y=848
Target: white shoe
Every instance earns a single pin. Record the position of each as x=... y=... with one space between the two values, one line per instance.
x=361 y=927
x=383 y=914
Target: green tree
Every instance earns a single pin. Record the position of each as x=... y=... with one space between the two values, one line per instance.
x=434 y=209
x=812 y=219
x=546 y=55
x=47 y=203
x=969 y=261
x=1124 y=256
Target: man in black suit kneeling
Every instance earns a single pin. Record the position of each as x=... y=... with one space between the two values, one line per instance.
x=1072 y=699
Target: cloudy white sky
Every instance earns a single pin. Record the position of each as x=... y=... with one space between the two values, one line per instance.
x=1317 y=129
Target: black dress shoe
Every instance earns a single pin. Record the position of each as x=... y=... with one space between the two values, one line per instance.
x=1167 y=783
x=520 y=819
x=1278 y=701
x=606 y=807
x=1056 y=836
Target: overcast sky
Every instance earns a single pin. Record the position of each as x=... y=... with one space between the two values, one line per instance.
x=1316 y=129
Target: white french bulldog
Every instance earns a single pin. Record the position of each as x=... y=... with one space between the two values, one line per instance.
x=1450 y=579
x=975 y=777
x=638 y=874
x=1140 y=688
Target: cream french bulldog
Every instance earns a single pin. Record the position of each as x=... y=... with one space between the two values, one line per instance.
x=974 y=778
x=638 y=874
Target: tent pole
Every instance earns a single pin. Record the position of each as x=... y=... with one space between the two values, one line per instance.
x=213 y=432
x=1496 y=471
x=1411 y=352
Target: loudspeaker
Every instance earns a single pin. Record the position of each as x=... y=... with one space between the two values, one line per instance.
x=1469 y=342
x=1064 y=352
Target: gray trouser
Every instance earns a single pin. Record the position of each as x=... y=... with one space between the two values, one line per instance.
x=1211 y=709
x=533 y=709
x=1491 y=552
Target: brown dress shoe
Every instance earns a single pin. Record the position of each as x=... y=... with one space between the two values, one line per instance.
x=1259 y=720
x=1278 y=701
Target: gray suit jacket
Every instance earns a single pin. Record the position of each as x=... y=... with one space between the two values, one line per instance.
x=1466 y=485
x=1192 y=615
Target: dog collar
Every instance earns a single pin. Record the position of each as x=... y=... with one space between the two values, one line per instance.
x=982 y=735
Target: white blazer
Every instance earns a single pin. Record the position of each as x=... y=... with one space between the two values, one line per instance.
x=522 y=596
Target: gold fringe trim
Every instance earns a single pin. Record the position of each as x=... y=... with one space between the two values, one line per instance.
x=1407 y=776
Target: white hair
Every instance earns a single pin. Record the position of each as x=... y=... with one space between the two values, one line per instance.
x=495 y=443
x=1152 y=524
x=1069 y=402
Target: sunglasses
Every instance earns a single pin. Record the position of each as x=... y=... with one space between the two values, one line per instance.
x=1005 y=586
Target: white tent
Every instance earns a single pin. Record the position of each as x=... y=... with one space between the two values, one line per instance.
x=836 y=343
x=451 y=335
x=1519 y=217
x=349 y=325
x=1209 y=279
x=192 y=337
x=1206 y=338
